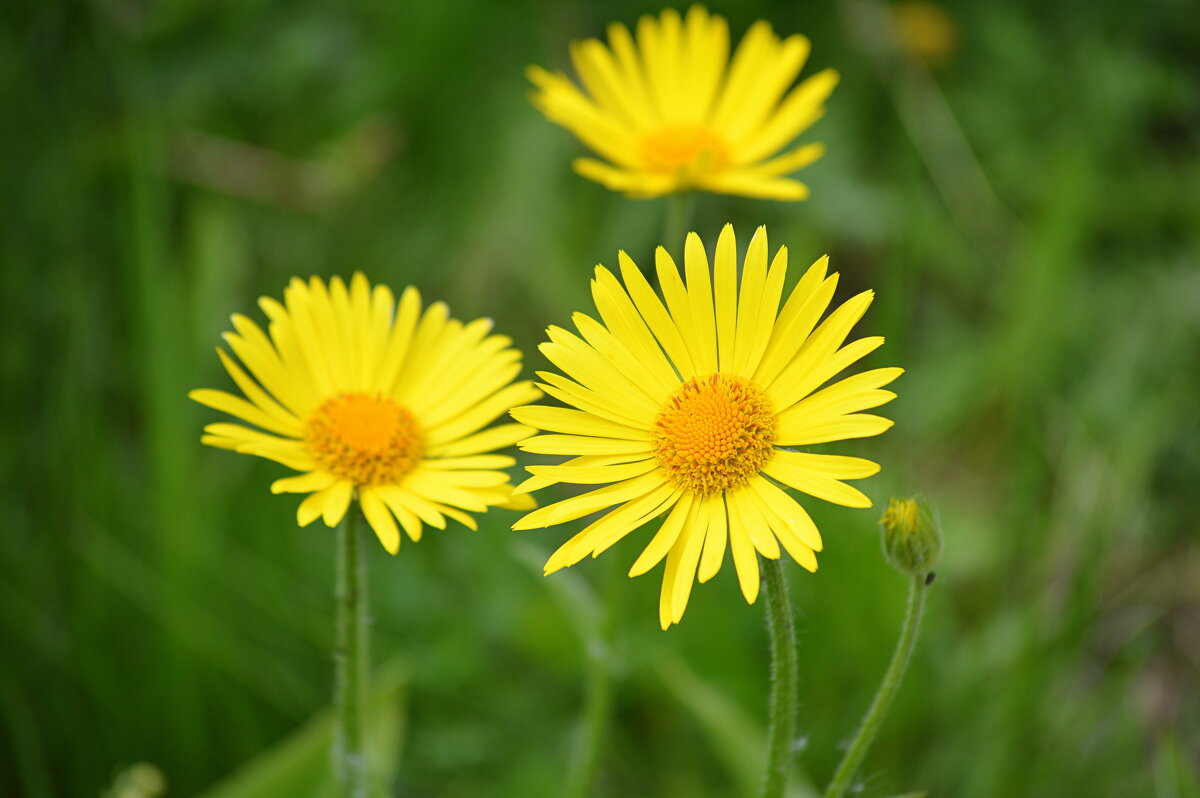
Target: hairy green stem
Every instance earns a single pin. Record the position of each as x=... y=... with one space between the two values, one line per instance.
x=887 y=690
x=781 y=729
x=350 y=655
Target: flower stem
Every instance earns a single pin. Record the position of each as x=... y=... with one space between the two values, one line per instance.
x=781 y=728
x=598 y=691
x=887 y=690
x=350 y=655
x=680 y=209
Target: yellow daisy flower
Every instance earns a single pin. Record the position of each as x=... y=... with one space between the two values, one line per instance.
x=684 y=410
x=671 y=112
x=375 y=400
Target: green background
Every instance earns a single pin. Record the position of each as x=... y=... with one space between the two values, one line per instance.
x=1027 y=212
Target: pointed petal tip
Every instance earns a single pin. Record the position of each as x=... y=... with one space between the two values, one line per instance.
x=522 y=524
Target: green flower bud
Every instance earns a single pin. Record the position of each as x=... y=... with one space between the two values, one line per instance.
x=912 y=538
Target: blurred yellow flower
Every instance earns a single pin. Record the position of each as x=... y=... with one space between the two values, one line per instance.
x=671 y=112
x=924 y=31
x=375 y=400
x=683 y=409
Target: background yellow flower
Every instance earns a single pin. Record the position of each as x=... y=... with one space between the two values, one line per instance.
x=687 y=409
x=373 y=400
x=670 y=111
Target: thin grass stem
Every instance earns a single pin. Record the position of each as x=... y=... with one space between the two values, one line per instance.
x=598 y=690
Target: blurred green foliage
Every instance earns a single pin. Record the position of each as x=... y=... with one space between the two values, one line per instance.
x=1028 y=213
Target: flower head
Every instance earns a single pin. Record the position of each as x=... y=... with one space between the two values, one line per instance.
x=373 y=399
x=684 y=410
x=670 y=111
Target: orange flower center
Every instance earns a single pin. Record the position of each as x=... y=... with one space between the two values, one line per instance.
x=714 y=433
x=690 y=148
x=369 y=440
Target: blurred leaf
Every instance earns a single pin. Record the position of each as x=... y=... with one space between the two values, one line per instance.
x=1175 y=774
x=736 y=739
x=299 y=765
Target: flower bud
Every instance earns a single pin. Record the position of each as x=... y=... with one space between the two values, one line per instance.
x=912 y=538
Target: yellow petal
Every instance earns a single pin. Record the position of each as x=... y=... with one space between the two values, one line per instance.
x=579 y=444
x=608 y=407
x=337 y=502
x=587 y=503
x=305 y=483
x=798 y=111
x=818 y=475
x=612 y=527
x=575 y=422
x=665 y=330
x=703 y=344
x=483 y=413
x=496 y=437
x=437 y=486
x=689 y=545
x=236 y=406
x=401 y=501
x=715 y=541
x=799 y=316
x=805 y=383
x=806 y=431
x=665 y=538
x=790 y=514
x=819 y=347
x=256 y=394
x=380 y=518
x=754 y=278
x=593 y=475
x=745 y=561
